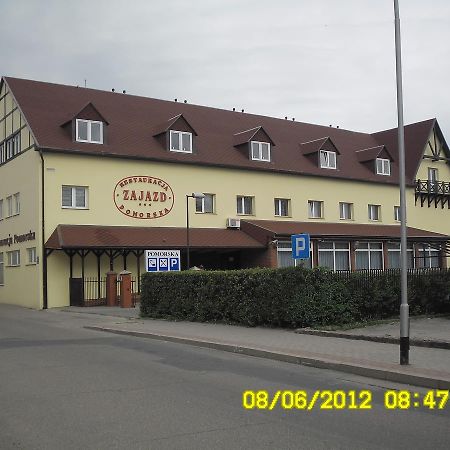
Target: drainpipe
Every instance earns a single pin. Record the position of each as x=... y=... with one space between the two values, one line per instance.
x=44 y=253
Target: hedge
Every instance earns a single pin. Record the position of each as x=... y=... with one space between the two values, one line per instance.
x=290 y=297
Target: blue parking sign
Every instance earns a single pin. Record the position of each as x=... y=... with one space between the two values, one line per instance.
x=174 y=263
x=162 y=260
x=300 y=246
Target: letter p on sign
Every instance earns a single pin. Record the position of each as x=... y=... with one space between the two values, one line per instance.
x=300 y=246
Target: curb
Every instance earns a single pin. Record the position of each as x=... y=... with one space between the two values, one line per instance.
x=383 y=339
x=362 y=370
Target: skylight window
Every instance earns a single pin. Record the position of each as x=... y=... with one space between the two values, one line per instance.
x=260 y=151
x=180 y=141
x=90 y=131
x=383 y=166
x=327 y=159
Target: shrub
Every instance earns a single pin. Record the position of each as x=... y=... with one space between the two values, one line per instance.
x=289 y=297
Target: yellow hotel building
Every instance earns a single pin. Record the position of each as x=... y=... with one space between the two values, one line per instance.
x=90 y=179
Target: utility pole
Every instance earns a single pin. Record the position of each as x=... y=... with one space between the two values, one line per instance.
x=404 y=307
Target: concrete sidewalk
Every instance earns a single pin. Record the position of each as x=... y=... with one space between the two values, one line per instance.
x=429 y=367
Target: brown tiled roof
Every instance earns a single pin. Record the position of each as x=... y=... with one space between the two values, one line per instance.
x=270 y=228
x=94 y=236
x=416 y=136
x=132 y=121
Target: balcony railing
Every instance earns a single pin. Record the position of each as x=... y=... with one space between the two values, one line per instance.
x=437 y=192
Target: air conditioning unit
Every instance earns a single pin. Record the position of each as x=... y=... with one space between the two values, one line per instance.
x=233 y=223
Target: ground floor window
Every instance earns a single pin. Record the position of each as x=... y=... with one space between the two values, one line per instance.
x=334 y=255
x=285 y=259
x=368 y=255
x=394 y=256
x=427 y=257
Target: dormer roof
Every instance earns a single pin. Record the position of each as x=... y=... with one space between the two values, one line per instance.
x=178 y=122
x=371 y=154
x=253 y=134
x=314 y=146
x=87 y=112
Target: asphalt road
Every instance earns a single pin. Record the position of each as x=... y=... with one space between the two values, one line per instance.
x=65 y=387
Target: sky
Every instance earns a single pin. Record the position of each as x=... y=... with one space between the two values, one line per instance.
x=325 y=62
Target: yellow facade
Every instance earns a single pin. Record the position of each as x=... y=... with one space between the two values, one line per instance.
x=23 y=285
x=20 y=175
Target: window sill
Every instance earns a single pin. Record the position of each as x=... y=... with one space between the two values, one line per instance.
x=88 y=142
x=13 y=266
x=31 y=264
x=198 y=212
x=316 y=218
x=243 y=214
x=73 y=207
x=283 y=217
x=180 y=151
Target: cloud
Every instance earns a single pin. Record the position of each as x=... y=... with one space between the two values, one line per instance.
x=323 y=62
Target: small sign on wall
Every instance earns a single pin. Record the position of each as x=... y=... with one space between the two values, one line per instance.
x=162 y=260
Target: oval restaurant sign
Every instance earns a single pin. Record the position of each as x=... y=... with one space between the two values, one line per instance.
x=143 y=197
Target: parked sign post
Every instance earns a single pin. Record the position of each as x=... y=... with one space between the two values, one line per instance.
x=300 y=246
x=162 y=260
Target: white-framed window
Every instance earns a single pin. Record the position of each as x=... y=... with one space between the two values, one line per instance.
x=12 y=146
x=9 y=206
x=180 y=141
x=205 y=205
x=327 y=159
x=433 y=177
x=282 y=207
x=17 y=203
x=2 y=270
x=285 y=259
x=89 y=131
x=2 y=153
x=394 y=255
x=368 y=255
x=315 y=209
x=374 y=212
x=244 y=204
x=345 y=211
x=1 y=209
x=427 y=257
x=397 y=213
x=334 y=255
x=383 y=166
x=13 y=258
x=75 y=197
x=32 y=256
x=260 y=151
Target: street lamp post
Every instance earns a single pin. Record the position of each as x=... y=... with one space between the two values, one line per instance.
x=188 y=196
x=404 y=307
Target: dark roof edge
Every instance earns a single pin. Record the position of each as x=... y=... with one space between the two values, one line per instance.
x=227 y=166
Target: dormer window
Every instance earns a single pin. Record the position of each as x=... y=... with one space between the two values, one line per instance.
x=327 y=159
x=180 y=141
x=89 y=131
x=383 y=166
x=260 y=151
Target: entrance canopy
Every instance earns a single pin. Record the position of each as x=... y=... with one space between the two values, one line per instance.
x=117 y=237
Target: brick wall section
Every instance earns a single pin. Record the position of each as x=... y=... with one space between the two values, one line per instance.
x=260 y=258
